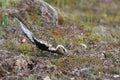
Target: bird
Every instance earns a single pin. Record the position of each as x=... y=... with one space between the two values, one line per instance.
x=41 y=44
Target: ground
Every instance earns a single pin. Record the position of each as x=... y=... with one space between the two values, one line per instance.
x=89 y=31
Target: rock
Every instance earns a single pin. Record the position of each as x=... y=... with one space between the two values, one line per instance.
x=83 y=45
x=116 y=76
x=47 y=78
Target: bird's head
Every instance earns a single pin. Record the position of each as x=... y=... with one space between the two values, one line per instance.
x=61 y=50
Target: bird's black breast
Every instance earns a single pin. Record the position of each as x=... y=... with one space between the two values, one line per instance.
x=41 y=46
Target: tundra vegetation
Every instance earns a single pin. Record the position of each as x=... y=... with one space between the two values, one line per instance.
x=88 y=29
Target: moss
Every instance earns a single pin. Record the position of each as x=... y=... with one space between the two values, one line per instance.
x=115 y=71
x=3 y=20
x=109 y=56
x=70 y=62
x=95 y=38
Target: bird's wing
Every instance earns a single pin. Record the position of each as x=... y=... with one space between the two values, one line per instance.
x=28 y=34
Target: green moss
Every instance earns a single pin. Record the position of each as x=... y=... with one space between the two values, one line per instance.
x=109 y=56
x=70 y=62
x=115 y=71
x=95 y=38
x=31 y=77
